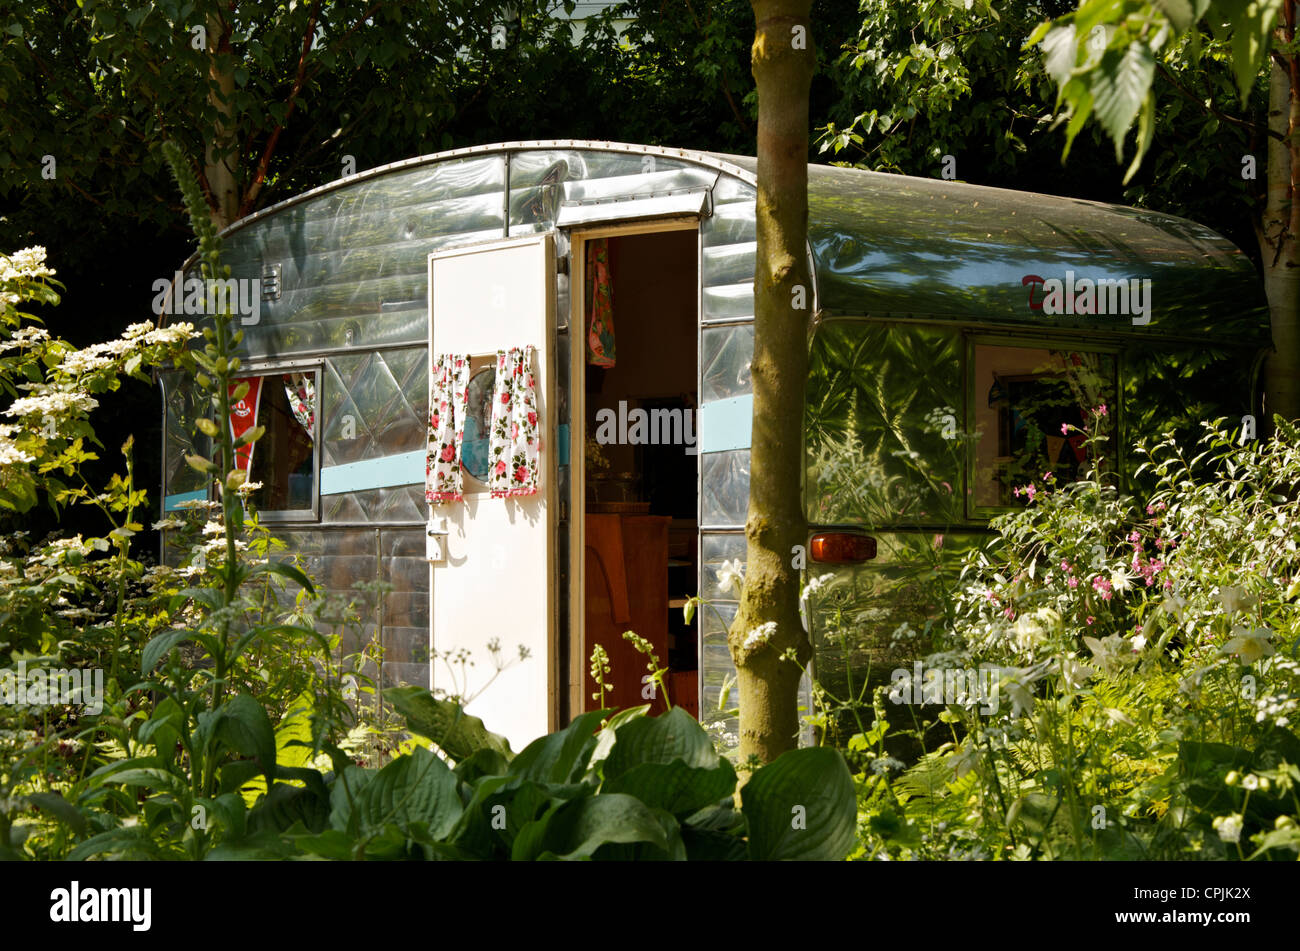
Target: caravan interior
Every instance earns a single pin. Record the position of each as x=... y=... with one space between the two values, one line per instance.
x=637 y=296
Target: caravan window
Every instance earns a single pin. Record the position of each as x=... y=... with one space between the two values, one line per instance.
x=284 y=461
x=1023 y=397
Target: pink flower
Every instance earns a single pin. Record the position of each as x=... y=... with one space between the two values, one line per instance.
x=505 y=397
x=1100 y=410
x=514 y=430
x=1047 y=475
x=1030 y=491
x=521 y=474
x=500 y=468
x=1065 y=429
x=433 y=420
x=1151 y=510
x=1072 y=581
x=1102 y=586
x=938 y=541
x=1134 y=537
x=1065 y=566
x=448 y=452
x=1008 y=612
x=1090 y=619
x=532 y=419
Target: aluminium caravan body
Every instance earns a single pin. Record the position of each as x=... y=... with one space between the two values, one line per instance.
x=951 y=328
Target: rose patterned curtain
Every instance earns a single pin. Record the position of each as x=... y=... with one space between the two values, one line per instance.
x=443 y=468
x=515 y=437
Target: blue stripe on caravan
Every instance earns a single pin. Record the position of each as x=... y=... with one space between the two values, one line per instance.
x=172 y=503
x=406 y=468
x=726 y=424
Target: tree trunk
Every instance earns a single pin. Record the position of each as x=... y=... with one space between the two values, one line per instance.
x=768 y=685
x=1278 y=233
x=219 y=161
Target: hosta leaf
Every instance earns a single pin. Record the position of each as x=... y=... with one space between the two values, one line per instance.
x=801 y=806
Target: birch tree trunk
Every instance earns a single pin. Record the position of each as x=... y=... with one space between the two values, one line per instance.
x=220 y=158
x=1279 y=228
x=767 y=624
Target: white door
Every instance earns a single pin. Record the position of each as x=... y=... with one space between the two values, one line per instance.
x=493 y=581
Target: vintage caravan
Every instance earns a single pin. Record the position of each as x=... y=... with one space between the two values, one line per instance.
x=512 y=382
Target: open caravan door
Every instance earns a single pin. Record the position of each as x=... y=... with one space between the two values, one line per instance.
x=490 y=531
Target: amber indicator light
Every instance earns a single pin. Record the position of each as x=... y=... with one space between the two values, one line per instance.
x=841 y=548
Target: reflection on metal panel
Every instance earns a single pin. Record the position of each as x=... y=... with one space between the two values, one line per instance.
x=724 y=478
x=374 y=404
x=892 y=244
x=884 y=419
x=872 y=618
x=724 y=361
x=337 y=559
x=403 y=503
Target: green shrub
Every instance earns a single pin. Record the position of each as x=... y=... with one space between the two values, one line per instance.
x=1138 y=660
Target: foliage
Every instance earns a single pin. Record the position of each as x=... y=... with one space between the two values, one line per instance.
x=639 y=788
x=1126 y=675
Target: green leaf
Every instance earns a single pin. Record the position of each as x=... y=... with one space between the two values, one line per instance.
x=1182 y=14
x=159 y=647
x=60 y=809
x=1119 y=85
x=285 y=570
x=559 y=757
x=242 y=724
x=675 y=787
x=674 y=736
x=446 y=723
x=1252 y=27
x=1059 y=53
x=801 y=806
x=415 y=788
x=582 y=827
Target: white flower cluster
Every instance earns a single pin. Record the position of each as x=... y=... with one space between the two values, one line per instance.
x=21 y=266
x=137 y=336
x=816 y=584
x=51 y=402
x=760 y=635
x=27 y=263
x=10 y=454
x=25 y=337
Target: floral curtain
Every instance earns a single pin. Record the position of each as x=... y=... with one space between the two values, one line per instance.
x=442 y=469
x=300 y=388
x=600 y=305
x=515 y=440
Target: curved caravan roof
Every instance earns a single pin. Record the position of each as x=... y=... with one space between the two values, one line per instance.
x=894 y=244
x=883 y=245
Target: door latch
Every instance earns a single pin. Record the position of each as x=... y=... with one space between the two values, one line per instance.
x=435 y=541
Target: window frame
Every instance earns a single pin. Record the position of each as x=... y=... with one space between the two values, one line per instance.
x=278 y=368
x=982 y=513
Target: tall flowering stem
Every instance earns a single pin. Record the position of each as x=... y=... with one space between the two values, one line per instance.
x=218 y=367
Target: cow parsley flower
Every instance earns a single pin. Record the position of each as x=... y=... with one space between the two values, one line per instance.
x=760 y=635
